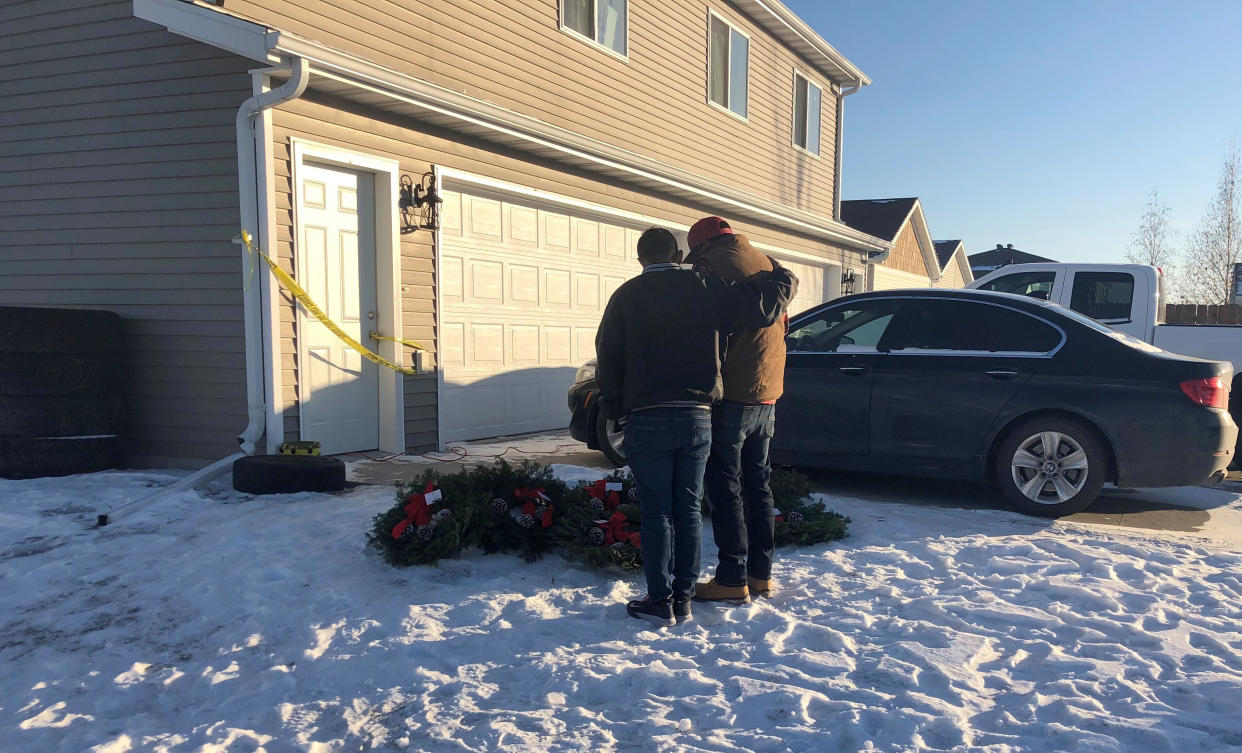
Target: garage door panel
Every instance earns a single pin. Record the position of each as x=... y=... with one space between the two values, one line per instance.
x=450 y=213
x=523 y=226
x=555 y=231
x=523 y=288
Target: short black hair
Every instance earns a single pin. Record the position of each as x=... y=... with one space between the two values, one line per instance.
x=658 y=245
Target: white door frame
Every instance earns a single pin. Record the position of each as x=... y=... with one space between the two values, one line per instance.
x=387 y=275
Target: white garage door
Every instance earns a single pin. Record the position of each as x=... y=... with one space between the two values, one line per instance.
x=523 y=287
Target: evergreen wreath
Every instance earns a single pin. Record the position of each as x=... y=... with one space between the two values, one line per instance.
x=432 y=520
x=519 y=506
x=799 y=520
x=599 y=526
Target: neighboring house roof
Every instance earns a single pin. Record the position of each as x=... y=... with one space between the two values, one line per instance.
x=882 y=218
x=945 y=251
x=1002 y=256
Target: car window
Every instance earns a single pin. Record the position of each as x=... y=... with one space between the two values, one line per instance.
x=1033 y=284
x=1106 y=296
x=927 y=324
x=856 y=328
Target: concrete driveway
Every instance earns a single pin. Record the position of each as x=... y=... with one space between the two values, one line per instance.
x=1209 y=512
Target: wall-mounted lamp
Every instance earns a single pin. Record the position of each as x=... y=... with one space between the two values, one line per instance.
x=847 y=281
x=419 y=203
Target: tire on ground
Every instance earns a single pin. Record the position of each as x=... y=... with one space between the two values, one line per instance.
x=1081 y=433
x=614 y=454
x=47 y=330
x=60 y=415
x=26 y=457
x=288 y=474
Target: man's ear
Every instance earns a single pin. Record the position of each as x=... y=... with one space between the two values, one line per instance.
x=677 y=257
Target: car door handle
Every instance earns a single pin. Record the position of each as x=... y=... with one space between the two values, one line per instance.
x=854 y=370
x=1002 y=373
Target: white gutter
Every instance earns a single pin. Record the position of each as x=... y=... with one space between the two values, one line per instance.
x=247 y=181
x=253 y=273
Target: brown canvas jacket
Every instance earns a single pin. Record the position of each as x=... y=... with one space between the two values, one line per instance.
x=754 y=364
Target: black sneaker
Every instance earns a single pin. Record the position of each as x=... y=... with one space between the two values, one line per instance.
x=658 y=613
x=681 y=611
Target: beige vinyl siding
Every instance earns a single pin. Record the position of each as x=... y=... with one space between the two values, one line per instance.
x=952 y=275
x=512 y=53
x=328 y=122
x=906 y=255
x=118 y=172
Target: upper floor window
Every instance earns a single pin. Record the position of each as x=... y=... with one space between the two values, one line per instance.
x=728 y=65
x=808 y=99
x=600 y=21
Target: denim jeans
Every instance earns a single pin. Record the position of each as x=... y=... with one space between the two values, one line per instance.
x=667 y=451
x=739 y=491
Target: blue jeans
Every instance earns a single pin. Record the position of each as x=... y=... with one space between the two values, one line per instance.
x=667 y=451
x=739 y=489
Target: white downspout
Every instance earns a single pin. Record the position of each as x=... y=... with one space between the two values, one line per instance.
x=247 y=181
x=836 y=177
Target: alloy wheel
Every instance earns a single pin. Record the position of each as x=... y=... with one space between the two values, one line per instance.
x=1050 y=468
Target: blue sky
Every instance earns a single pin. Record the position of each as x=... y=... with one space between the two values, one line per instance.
x=1042 y=124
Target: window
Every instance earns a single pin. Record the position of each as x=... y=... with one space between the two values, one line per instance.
x=969 y=327
x=808 y=99
x=1104 y=296
x=600 y=21
x=1033 y=284
x=848 y=329
x=728 y=66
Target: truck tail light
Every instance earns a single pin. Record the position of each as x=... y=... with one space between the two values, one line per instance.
x=1209 y=392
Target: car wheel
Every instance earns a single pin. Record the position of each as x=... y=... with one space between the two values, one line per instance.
x=609 y=439
x=1051 y=466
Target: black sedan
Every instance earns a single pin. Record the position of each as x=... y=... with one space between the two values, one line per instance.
x=1046 y=403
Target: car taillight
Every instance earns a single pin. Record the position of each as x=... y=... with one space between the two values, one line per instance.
x=1209 y=392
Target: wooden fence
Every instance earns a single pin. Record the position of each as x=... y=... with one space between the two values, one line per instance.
x=1192 y=313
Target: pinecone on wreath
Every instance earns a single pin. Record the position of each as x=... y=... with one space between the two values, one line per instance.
x=500 y=505
x=794 y=517
x=426 y=532
x=526 y=521
x=633 y=493
x=443 y=515
x=595 y=536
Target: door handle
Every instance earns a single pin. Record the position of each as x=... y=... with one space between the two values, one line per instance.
x=854 y=370
x=1002 y=373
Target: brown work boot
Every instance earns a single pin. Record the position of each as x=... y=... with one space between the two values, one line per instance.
x=759 y=587
x=713 y=591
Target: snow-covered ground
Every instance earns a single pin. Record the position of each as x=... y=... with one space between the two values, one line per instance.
x=217 y=621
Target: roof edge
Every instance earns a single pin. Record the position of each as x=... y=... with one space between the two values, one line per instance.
x=777 y=12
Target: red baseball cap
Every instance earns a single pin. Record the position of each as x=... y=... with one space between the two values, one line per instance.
x=706 y=229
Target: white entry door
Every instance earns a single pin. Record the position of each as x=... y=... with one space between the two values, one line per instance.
x=338 y=388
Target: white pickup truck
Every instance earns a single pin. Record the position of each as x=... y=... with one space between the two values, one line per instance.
x=1127 y=297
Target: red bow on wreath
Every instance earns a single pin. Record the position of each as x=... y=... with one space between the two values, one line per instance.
x=610 y=497
x=532 y=499
x=417 y=511
x=615 y=531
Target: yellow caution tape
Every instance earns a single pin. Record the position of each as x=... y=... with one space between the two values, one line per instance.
x=407 y=343
x=308 y=304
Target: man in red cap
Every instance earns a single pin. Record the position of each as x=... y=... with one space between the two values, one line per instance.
x=738 y=473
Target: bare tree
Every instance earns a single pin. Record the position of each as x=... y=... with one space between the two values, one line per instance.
x=1153 y=242
x=1216 y=244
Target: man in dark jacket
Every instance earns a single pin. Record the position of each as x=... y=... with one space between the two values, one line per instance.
x=658 y=353
x=738 y=472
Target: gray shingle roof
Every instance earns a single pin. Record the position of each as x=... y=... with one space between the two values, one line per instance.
x=879 y=217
